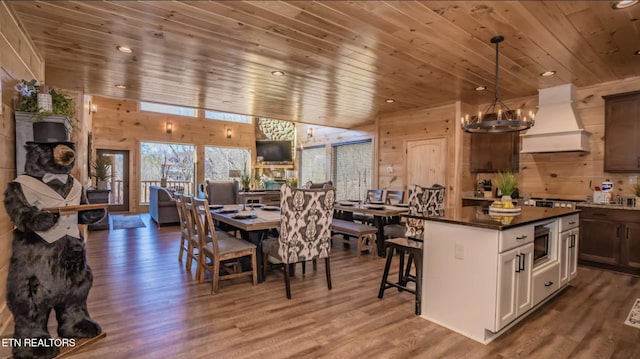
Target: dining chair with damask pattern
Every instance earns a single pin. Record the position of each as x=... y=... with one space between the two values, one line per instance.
x=305 y=230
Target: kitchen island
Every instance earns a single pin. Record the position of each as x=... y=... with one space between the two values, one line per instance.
x=483 y=273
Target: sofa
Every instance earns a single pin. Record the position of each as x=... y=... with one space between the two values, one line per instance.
x=162 y=206
x=222 y=192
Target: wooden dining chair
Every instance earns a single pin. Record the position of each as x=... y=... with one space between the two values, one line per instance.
x=221 y=247
x=393 y=196
x=305 y=230
x=373 y=195
x=188 y=232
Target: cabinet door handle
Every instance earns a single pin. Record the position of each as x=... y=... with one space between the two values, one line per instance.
x=627 y=232
x=522 y=256
x=573 y=222
x=548 y=284
x=518 y=268
x=522 y=236
x=618 y=232
x=572 y=241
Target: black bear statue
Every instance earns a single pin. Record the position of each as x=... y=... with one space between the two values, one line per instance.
x=48 y=268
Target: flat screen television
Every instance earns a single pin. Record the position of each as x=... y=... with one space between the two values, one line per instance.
x=274 y=151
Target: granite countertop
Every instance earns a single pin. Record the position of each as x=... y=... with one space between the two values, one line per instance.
x=478 y=216
x=480 y=198
x=607 y=206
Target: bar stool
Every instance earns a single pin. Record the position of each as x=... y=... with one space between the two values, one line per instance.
x=402 y=246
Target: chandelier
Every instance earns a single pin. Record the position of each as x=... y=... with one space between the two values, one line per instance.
x=497 y=117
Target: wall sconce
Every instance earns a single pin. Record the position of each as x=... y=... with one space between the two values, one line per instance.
x=93 y=108
x=310 y=132
x=169 y=127
x=229 y=133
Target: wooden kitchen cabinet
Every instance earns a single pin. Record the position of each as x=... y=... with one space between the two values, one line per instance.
x=622 y=133
x=610 y=238
x=495 y=152
x=514 y=284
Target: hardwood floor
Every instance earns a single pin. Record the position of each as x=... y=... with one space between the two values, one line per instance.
x=151 y=307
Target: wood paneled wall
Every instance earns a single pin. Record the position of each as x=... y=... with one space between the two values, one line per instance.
x=567 y=174
x=120 y=125
x=18 y=60
x=395 y=130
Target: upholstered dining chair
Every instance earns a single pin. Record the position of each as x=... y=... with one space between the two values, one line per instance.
x=305 y=230
x=221 y=247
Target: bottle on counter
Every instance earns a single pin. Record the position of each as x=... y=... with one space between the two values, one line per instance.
x=607 y=189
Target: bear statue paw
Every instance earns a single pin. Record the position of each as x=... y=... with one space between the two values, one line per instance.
x=44 y=220
x=86 y=328
x=45 y=351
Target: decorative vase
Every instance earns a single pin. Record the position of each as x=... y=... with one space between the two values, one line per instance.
x=102 y=184
x=505 y=198
x=163 y=182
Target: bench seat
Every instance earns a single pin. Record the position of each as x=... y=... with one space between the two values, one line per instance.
x=364 y=232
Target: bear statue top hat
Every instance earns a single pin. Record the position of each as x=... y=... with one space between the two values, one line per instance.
x=50 y=133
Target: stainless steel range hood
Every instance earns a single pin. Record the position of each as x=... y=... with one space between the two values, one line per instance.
x=557 y=127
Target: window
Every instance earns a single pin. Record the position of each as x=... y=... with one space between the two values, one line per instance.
x=313 y=165
x=168 y=109
x=225 y=116
x=218 y=161
x=170 y=161
x=352 y=169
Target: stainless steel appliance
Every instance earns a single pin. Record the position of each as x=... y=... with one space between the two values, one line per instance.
x=541 y=244
x=550 y=203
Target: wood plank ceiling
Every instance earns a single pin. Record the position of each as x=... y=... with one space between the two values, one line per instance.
x=341 y=59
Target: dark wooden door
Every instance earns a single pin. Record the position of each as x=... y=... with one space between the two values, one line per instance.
x=622 y=133
x=600 y=240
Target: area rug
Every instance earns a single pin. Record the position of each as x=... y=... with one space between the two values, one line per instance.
x=634 y=315
x=126 y=222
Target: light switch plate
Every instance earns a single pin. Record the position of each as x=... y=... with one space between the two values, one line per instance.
x=633 y=179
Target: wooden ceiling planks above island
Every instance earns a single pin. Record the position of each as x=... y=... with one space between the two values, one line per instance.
x=341 y=59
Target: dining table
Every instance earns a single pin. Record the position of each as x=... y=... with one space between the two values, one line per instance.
x=383 y=214
x=253 y=221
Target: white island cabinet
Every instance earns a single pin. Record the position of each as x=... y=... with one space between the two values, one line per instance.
x=483 y=273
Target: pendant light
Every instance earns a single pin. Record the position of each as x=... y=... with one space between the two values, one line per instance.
x=497 y=117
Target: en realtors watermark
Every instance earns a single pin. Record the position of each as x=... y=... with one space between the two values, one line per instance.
x=38 y=342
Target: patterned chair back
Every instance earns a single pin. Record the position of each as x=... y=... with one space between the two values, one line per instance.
x=423 y=202
x=305 y=224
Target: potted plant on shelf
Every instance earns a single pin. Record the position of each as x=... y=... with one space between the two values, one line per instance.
x=101 y=171
x=38 y=105
x=506 y=183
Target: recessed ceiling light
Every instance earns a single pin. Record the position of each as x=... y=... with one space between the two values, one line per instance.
x=389 y=100
x=637 y=52
x=124 y=49
x=277 y=73
x=481 y=88
x=121 y=86
x=226 y=102
x=624 y=4
x=548 y=73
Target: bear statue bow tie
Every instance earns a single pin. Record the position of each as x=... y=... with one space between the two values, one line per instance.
x=48 y=177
